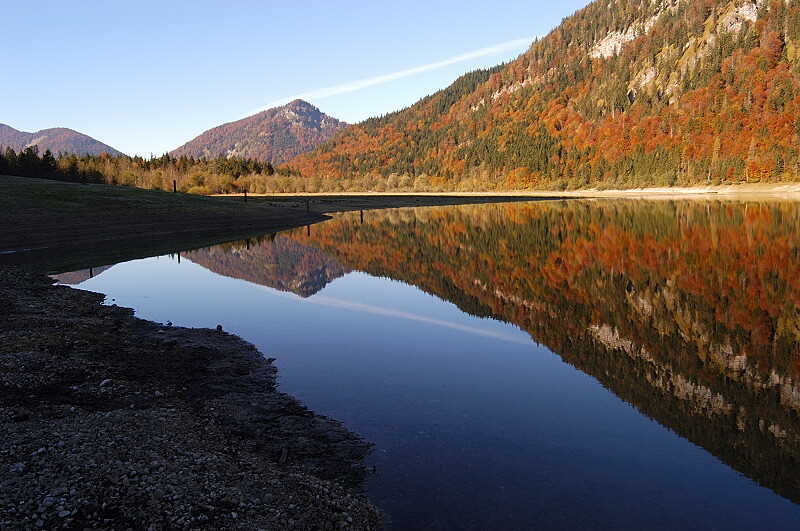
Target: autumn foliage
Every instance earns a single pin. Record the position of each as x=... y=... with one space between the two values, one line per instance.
x=699 y=92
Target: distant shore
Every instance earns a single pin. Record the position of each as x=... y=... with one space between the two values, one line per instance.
x=391 y=199
x=736 y=191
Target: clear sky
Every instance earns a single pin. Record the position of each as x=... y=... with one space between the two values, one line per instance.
x=147 y=76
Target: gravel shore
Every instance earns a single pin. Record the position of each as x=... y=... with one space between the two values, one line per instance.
x=110 y=421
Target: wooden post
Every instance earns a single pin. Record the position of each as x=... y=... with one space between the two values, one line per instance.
x=308 y=230
x=91 y=272
x=362 y=217
x=174 y=185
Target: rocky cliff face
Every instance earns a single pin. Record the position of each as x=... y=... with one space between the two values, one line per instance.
x=275 y=135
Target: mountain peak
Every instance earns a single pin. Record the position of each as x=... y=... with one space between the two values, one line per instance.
x=274 y=135
x=300 y=103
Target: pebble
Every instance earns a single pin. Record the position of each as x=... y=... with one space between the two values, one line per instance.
x=157 y=467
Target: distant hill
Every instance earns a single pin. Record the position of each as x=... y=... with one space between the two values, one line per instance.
x=623 y=93
x=57 y=140
x=280 y=263
x=275 y=135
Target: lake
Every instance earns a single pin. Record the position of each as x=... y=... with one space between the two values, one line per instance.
x=613 y=364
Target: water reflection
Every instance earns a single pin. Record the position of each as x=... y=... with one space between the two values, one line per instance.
x=72 y=278
x=689 y=311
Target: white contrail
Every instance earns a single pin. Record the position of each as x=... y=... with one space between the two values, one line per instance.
x=332 y=302
x=353 y=86
x=390 y=312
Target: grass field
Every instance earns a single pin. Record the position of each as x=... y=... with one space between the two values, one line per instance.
x=74 y=224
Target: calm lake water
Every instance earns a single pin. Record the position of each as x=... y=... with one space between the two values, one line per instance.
x=592 y=365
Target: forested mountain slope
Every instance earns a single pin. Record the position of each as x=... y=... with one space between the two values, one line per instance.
x=275 y=135
x=622 y=93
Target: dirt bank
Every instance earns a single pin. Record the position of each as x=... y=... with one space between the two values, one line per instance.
x=110 y=421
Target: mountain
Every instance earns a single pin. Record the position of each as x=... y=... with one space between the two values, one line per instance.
x=57 y=140
x=276 y=261
x=622 y=93
x=73 y=278
x=275 y=135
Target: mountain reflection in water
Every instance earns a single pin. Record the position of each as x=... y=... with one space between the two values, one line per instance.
x=687 y=310
x=690 y=311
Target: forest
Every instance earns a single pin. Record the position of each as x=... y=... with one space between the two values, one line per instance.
x=623 y=93
x=221 y=175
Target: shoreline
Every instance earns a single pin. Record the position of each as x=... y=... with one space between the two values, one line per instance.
x=114 y=421
x=729 y=191
x=53 y=225
x=52 y=215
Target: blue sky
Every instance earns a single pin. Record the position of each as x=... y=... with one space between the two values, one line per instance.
x=148 y=76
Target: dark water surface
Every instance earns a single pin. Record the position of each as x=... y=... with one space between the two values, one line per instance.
x=592 y=365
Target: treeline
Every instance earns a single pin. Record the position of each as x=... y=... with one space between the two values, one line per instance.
x=205 y=177
x=28 y=163
x=191 y=175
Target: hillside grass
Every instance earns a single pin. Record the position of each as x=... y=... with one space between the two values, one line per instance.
x=56 y=222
